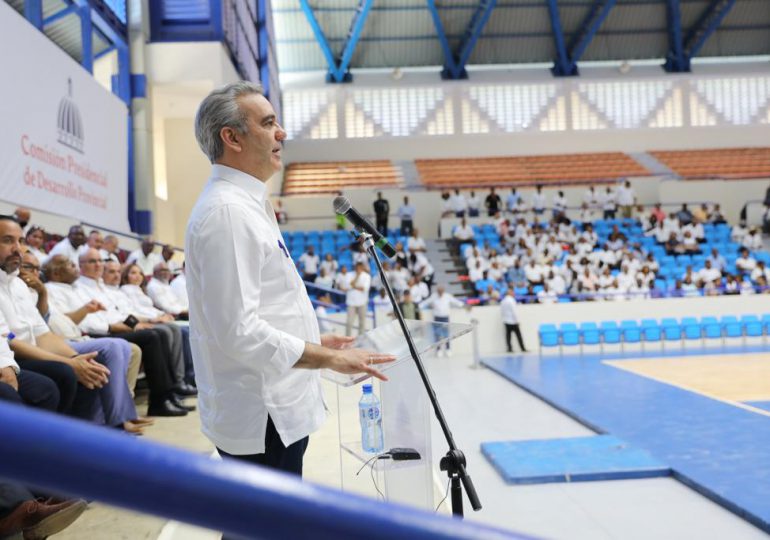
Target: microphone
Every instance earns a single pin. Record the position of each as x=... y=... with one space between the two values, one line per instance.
x=343 y=207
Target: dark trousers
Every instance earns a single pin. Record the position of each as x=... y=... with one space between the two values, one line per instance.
x=62 y=376
x=157 y=366
x=276 y=456
x=382 y=224
x=513 y=328
x=38 y=391
x=406 y=227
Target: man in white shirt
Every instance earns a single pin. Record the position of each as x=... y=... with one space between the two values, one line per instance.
x=357 y=299
x=343 y=279
x=111 y=248
x=745 y=263
x=94 y=317
x=458 y=204
x=546 y=295
x=510 y=320
x=255 y=339
x=418 y=290
x=310 y=261
x=415 y=242
x=708 y=274
x=441 y=303
x=145 y=256
x=463 y=233
x=159 y=289
x=626 y=199
x=69 y=246
x=167 y=253
x=95 y=240
x=406 y=213
x=179 y=288
x=538 y=201
x=474 y=205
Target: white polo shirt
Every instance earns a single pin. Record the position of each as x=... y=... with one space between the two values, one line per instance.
x=250 y=317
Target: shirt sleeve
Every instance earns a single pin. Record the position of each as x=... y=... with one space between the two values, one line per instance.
x=230 y=256
x=6 y=355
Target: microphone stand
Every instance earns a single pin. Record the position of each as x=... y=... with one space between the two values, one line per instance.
x=454 y=460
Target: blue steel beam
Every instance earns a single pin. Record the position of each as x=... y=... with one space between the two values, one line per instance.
x=455 y=61
x=33 y=11
x=354 y=34
x=706 y=26
x=450 y=65
x=471 y=36
x=339 y=69
x=596 y=16
x=567 y=57
x=562 y=65
x=86 y=34
x=675 y=59
x=679 y=60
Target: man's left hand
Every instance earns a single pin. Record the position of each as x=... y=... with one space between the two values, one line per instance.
x=333 y=341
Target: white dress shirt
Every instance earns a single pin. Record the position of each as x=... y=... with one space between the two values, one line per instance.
x=310 y=262
x=441 y=304
x=6 y=354
x=137 y=301
x=538 y=201
x=508 y=310
x=249 y=319
x=145 y=262
x=19 y=310
x=163 y=297
x=179 y=287
x=65 y=298
x=64 y=248
x=356 y=297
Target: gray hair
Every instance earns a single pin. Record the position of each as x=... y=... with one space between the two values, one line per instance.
x=218 y=110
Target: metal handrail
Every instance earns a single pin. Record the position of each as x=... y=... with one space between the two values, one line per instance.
x=71 y=456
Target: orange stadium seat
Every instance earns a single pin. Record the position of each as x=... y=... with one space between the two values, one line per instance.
x=326 y=177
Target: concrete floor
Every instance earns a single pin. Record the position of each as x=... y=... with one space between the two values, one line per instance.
x=480 y=406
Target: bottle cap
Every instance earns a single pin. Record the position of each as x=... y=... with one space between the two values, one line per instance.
x=367 y=388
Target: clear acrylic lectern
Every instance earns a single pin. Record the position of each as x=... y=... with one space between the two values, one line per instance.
x=406 y=410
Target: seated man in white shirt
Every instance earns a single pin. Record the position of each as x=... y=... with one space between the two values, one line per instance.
x=556 y=283
x=69 y=246
x=95 y=240
x=415 y=242
x=639 y=290
x=111 y=248
x=745 y=263
x=325 y=280
x=159 y=289
x=752 y=240
x=547 y=296
x=343 y=278
x=761 y=271
x=418 y=290
x=167 y=253
x=179 y=287
x=330 y=265
x=463 y=233
x=145 y=256
x=708 y=274
x=533 y=273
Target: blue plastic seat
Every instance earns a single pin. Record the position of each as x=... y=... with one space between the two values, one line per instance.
x=711 y=327
x=766 y=323
x=672 y=330
x=631 y=331
x=692 y=328
x=569 y=334
x=752 y=326
x=549 y=335
x=610 y=332
x=589 y=333
x=651 y=330
x=731 y=326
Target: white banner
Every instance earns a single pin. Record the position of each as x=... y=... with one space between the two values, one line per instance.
x=63 y=141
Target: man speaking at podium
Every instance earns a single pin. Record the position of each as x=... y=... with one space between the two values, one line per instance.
x=255 y=340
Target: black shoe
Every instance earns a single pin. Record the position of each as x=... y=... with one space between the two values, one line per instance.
x=184 y=389
x=177 y=401
x=165 y=408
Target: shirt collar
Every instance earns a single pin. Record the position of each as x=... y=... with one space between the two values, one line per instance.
x=88 y=282
x=250 y=184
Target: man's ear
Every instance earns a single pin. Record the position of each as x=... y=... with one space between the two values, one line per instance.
x=231 y=138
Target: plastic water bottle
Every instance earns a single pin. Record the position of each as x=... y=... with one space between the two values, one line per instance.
x=371 y=422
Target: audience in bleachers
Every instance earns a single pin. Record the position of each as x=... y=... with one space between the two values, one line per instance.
x=610 y=259
x=145 y=256
x=69 y=246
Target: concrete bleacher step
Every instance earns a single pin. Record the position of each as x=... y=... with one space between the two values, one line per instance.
x=447 y=271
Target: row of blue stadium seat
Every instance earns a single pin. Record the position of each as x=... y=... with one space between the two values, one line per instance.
x=652 y=330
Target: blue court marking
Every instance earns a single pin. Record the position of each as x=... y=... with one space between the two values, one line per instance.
x=577 y=459
x=720 y=450
x=764 y=405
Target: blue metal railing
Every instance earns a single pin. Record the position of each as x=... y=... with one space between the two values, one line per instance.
x=70 y=456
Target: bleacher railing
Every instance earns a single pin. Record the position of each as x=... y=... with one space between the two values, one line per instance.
x=70 y=456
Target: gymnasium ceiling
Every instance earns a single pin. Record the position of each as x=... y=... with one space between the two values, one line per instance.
x=402 y=33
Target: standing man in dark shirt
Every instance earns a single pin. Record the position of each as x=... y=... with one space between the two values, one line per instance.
x=381 y=211
x=492 y=203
